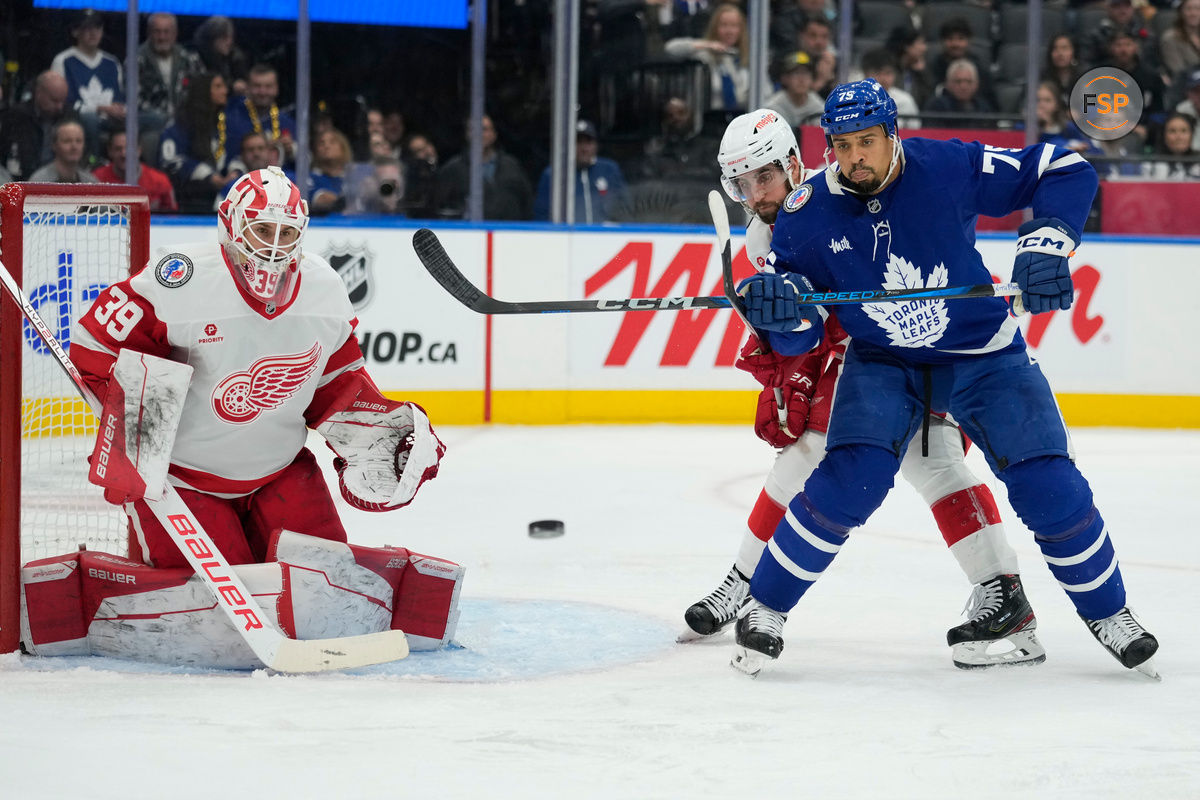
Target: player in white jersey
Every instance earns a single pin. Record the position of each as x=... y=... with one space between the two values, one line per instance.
x=269 y=332
x=760 y=166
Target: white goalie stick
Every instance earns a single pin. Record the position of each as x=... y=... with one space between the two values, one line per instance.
x=269 y=645
x=433 y=256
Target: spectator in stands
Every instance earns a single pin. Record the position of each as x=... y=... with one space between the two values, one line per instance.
x=255 y=154
x=955 y=35
x=1191 y=103
x=908 y=47
x=683 y=18
x=1061 y=66
x=680 y=152
x=789 y=18
x=66 y=166
x=197 y=151
x=879 y=64
x=1180 y=160
x=1124 y=52
x=599 y=182
x=25 y=141
x=1054 y=123
x=507 y=193
x=725 y=49
x=164 y=69
x=377 y=190
x=816 y=39
x=156 y=183
x=1179 y=45
x=95 y=83
x=332 y=156
x=393 y=130
x=258 y=110
x=961 y=98
x=795 y=100
x=220 y=54
x=420 y=175
x=1120 y=17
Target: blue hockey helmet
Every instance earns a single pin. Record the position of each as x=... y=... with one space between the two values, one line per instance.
x=857 y=106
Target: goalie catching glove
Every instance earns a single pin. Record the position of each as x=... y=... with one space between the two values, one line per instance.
x=385 y=451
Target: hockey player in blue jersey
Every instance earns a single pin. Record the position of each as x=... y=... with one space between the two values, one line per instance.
x=891 y=215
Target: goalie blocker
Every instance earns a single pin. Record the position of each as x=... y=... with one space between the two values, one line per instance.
x=92 y=603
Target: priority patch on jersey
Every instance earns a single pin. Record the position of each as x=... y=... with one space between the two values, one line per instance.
x=799 y=196
x=174 y=270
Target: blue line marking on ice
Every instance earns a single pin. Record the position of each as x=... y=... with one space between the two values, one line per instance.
x=496 y=640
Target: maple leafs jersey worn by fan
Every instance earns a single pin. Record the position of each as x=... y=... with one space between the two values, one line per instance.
x=259 y=368
x=842 y=242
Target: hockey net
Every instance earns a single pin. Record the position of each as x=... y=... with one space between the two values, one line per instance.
x=63 y=243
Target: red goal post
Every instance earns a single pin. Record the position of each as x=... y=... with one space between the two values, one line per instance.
x=63 y=243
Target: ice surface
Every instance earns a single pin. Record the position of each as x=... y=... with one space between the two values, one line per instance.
x=567 y=681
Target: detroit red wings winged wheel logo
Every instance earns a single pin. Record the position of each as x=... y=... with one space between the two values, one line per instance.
x=269 y=382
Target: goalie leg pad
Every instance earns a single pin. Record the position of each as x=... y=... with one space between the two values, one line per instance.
x=92 y=603
x=380 y=588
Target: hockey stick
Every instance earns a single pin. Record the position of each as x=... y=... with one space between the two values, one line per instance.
x=433 y=257
x=720 y=218
x=267 y=642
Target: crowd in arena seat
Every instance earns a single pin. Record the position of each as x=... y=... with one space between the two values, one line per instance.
x=658 y=81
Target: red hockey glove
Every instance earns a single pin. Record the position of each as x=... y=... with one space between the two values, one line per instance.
x=769 y=369
x=766 y=421
x=796 y=394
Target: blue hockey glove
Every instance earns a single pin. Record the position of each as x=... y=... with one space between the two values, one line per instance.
x=771 y=304
x=1041 y=268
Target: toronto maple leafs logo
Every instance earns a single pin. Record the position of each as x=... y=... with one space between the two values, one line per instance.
x=917 y=323
x=267 y=384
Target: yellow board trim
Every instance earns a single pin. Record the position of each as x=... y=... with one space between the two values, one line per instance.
x=561 y=407
x=629 y=407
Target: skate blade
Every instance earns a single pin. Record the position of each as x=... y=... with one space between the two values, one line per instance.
x=690 y=635
x=748 y=661
x=1018 y=649
x=1148 y=669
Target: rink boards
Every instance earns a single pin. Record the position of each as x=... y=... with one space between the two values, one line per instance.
x=1125 y=354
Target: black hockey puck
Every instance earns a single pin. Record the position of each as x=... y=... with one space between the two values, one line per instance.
x=546 y=528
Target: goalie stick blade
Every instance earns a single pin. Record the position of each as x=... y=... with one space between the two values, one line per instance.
x=322 y=655
x=435 y=260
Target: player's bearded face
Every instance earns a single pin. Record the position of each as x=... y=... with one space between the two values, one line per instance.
x=765 y=190
x=864 y=158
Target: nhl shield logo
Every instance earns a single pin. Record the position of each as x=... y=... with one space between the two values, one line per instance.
x=355 y=264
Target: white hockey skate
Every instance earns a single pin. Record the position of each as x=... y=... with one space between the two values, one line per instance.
x=712 y=614
x=759 y=636
x=999 y=628
x=1131 y=644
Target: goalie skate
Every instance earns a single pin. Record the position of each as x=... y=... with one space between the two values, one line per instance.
x=712 y=614
x=999 y=628
x=1131 y=644
x=759 y=636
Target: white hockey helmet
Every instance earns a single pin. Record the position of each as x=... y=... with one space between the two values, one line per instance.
x=264 y=263
x=754 y=140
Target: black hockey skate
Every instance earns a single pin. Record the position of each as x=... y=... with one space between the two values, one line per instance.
x=1124 y=637
x=759 y=636
x=713 y=613
x=999 y=628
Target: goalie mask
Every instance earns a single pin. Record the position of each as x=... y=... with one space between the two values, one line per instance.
x=752 y=141
x=262 y=222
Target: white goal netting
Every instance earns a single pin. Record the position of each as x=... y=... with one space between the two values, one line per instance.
x=71 y=252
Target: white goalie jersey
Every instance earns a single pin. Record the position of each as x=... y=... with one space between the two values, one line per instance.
x=262 y=374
